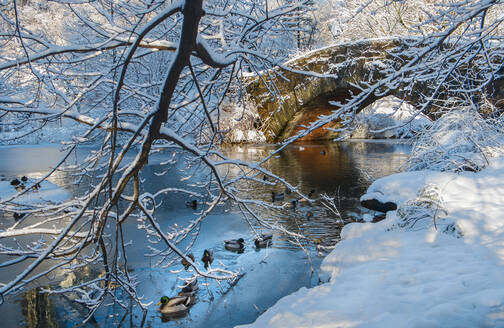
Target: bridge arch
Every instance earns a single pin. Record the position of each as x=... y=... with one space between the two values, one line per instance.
x=305 y=97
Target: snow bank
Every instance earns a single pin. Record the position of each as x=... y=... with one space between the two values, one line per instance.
x=406 y=271
x=459 y=141
x=388 y=112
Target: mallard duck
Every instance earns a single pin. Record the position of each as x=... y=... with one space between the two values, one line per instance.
x=310 y=196
x=19 y=216
x=175 y=306
x=234 y=244
x=36 y=187
x=207 y=257
x=191 y=287
x=20 y=187
x=15 y=182
x=192 y=203
x=185 y=263
x=277 y=196
x=24 y=178
x=264 y=240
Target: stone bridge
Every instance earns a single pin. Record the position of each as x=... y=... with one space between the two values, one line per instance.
x=305 y=97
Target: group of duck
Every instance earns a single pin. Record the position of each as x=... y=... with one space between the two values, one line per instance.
x=277 y=196
x=179 y=305
x=238 y=245
x=19 y=184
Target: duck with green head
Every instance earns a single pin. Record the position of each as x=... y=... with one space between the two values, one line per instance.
x=234 y=244
x=175 y=306
x=264 y=240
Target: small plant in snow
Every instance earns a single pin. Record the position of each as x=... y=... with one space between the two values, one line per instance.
x=424 y=211
x=459 y=141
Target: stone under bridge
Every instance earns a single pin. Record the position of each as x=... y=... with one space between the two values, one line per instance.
x=305 y=97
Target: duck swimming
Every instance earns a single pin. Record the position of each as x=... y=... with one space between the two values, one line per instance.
x=264 y=240
x=175 y=306
x=234 y=244
x=277 y=196
x=192 y=204
x=185 y=263
x=191 y=287
x=310 y=196
x=207 y=258
x=15 y=182
x=18 y=216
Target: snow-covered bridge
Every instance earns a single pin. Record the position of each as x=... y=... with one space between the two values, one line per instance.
x=306 y=96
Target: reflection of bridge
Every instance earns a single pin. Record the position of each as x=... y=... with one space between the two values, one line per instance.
x=305 y=97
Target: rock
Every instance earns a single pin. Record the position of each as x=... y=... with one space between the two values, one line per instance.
x=376 y=205
x=379 y=218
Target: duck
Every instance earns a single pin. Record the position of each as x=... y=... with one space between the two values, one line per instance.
x=15 y=182
x=36 y=187
x=264 y=240
x=191 y=287
x=186 y=263
x=310 y=196
x=20 y=187
x=265 y=178
x=207 y=257
x=234 y=244
x=277 y=196
x=192 y=204
x=175 y=306
x=24 y=178
x=18 y=216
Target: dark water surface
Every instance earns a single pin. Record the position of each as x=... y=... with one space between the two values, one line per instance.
x=335 y=168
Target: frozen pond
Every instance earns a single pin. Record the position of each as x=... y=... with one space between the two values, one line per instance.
x=335 y=168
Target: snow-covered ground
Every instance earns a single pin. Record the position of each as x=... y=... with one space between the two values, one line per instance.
x=374 y=120
x=437 y=261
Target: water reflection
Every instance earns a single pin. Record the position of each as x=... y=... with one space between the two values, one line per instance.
x=38 y=310
x=270 y=273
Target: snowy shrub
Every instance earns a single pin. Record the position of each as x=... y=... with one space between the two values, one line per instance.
x=389 y=117
x=459 y=141
x=424 y=211
x=240 y=125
